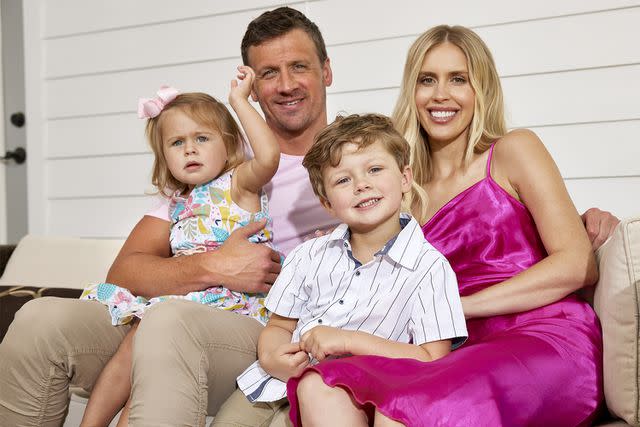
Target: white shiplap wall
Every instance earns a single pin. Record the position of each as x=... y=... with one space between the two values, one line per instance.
x=569 y=70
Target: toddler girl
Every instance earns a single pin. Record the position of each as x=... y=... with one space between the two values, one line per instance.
x=199 y=157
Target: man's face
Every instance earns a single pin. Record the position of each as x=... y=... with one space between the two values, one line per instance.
x=290 y=84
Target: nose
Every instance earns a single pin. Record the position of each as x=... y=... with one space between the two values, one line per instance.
x=441 y=92
x=361 y=184
x=189 y=147
x=287 y=82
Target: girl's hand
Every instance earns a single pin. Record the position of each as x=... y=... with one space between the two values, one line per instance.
x=287 y=361
x=324 y=341
x=240 y=91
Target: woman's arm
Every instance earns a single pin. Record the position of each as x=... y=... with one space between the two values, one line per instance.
x=524 y=168
x=278 y=356
x=252 y=175
x=324 y=341
x=144 y=264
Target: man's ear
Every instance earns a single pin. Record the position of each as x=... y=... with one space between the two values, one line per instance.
x=407 y=179
x=254 y=96
x=327 y=74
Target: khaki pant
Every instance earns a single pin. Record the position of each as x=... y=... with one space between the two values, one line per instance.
x=185 y=362
x=237 y=411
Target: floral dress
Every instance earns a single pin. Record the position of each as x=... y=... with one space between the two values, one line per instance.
x=200 y=222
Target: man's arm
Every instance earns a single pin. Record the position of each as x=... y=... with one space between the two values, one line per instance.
x=600 y=225
x=145 y=266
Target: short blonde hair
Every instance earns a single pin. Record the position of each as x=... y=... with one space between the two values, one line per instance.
x=207 y=111
x=488 y=121
x=362 y=130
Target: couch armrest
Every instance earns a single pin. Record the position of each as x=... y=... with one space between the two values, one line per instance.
x=617 y=302
x=59 y=262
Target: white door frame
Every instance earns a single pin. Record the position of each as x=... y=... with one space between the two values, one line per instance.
x=3 y=188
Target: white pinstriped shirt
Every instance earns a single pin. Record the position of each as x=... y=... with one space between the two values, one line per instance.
x=406 y=293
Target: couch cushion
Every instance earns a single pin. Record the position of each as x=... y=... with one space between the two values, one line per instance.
x=60 y=262
x=616 y=302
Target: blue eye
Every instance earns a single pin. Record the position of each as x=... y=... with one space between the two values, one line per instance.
x=375 y=169
x=177 y=143
x=342 y=180
x=202 y=139
x=458 y=80
x=425 y=80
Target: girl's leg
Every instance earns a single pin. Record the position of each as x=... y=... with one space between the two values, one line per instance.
x=323 y=405
x=381 y=420
x=112 y=388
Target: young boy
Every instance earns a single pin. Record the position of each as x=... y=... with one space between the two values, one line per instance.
x=373 y=285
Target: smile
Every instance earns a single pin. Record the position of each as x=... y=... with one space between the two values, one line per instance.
x=367 y=203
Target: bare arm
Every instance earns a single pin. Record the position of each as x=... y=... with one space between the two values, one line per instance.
x=531 y=172
x=145 y=266
x=252 y=175
x=324 y=341
x=278 y=356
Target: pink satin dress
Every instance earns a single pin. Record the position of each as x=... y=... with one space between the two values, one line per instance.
x=542 y=367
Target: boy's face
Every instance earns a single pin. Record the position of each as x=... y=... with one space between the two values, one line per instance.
x=365 y=190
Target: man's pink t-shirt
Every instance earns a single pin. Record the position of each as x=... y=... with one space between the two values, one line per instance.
x=295 y=210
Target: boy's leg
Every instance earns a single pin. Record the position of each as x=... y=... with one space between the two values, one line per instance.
x=238 y=411
x=113 y=386
x=50 y=343
x=186 y=357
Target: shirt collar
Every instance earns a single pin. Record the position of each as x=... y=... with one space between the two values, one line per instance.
x=403 y=248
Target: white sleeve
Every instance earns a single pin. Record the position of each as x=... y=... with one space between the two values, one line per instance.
x=288 y=295
x=437 y=312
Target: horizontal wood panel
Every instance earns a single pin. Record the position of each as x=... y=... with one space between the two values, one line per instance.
x=516 y=47
x=95 y=136
x=356 y=20
x=617 y=195
x=64 y=17
x=119 y=92
x=573 y=97
x=99 y=177
x=156 y=45
x=594 y=149
x=103 y=218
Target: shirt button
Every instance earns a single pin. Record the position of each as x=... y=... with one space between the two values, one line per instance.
x=341 y=302
x=319 y=320
x=357 y=273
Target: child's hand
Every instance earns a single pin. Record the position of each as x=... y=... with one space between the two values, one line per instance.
x=324 y=341
x=287 y=361
x=240 y=91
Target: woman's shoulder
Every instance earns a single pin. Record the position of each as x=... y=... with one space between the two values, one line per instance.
x=518 y=145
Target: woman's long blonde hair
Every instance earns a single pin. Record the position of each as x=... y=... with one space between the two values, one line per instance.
x=488 y=121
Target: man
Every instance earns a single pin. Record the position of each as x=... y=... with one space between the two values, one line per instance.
x=187 y=356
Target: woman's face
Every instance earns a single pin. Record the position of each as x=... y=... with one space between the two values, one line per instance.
x=444 y=96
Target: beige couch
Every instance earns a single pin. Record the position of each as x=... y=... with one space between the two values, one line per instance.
x=73 y=263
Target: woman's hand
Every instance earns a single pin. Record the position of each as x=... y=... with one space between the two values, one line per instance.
x=286 y=361
x=600 y=225
x=324 y=341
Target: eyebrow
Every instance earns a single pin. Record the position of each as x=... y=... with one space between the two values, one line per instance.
x=431 y=73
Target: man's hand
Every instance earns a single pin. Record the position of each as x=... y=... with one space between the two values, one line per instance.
x=600 y=225
x=324 y=341
x=248 y=267
x=287 y=361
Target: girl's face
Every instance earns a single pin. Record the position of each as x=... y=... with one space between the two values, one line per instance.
x=444 y=96
x=195 y=153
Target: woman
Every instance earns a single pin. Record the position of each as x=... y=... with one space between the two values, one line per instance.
x=499 y=211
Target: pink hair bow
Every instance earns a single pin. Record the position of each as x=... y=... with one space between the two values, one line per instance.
x=151 y=107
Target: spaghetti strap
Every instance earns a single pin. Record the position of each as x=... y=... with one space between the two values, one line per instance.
x=493 y=144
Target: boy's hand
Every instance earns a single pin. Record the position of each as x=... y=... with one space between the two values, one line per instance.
x=287 y=361
x=324 y=341
x=241 y=91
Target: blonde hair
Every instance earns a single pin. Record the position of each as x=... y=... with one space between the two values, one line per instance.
x=362 y=130
x=206 y=111
x=488 y=121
